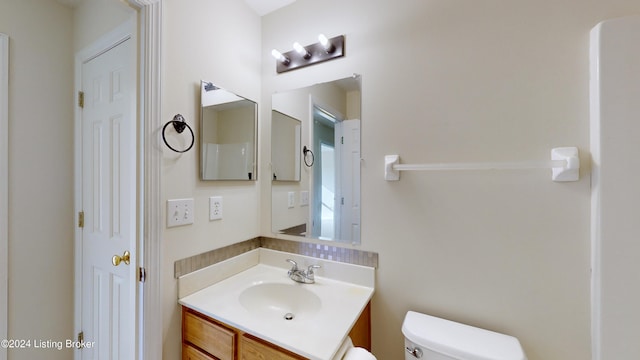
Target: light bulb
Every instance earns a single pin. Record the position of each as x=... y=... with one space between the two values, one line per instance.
x=328 y=46
x=323 y=40
x=278 y=56
x=301 y=50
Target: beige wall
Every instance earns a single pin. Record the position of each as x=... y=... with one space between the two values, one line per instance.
x=44 y=36
x=457 y=81
x=217 y=41
x=94 y=18
x=40 y=174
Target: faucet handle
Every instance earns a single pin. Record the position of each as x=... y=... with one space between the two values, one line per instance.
x=310 y=270
x=294 y=266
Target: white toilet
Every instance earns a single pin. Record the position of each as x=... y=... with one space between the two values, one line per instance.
x=431 y=338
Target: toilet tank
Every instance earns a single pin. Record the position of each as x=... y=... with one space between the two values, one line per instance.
x=431 y=338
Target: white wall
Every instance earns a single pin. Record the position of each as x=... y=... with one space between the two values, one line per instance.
x=40 y=174
x=458 y=81
x=615 y=65
x=217 y=41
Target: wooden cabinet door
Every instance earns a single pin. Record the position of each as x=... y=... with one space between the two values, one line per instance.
x=254 y=349
x=209 y=336
x=361 y=332
x=191 y=353
x=206 y=339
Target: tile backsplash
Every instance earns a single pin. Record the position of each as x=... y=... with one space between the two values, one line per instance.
x=321 y=251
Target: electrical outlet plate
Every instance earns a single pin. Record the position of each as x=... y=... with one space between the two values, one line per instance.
x=179 y=212
x=215 y=208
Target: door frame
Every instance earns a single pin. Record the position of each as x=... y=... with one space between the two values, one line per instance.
x=149 y=343
x=149 y=38
x=4 y=188
x=150 y=174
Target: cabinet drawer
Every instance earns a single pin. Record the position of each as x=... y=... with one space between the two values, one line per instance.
x=191 y=353
x=209 y=336
x=254 y=349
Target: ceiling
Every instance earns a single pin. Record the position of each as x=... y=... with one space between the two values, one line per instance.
x=261 y=7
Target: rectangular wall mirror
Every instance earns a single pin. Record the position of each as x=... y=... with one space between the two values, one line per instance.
x=324 y=203
x=228 y=133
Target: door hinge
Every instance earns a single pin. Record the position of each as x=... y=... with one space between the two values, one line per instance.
x=142 y=274
x=81 y=219
x=81 y=337
x=81 y=99
x=342 y=140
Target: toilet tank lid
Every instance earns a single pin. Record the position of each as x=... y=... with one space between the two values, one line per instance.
x=459 y=341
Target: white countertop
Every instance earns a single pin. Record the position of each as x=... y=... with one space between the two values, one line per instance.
x=315 y=335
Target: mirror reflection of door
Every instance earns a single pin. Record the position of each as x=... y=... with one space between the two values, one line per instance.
x=336 y=176
x=326 y=172
x=349 y=179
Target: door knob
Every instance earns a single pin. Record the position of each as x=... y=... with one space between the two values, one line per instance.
x=117 y=259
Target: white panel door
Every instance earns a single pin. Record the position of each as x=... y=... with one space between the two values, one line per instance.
x=108 y=200
x=350 y=181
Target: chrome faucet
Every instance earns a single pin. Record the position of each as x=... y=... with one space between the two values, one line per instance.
x=302 y=276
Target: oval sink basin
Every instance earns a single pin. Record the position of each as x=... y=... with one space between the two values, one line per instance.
x=278 y=300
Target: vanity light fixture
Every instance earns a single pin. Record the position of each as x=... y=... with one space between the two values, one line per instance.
x=325 y=49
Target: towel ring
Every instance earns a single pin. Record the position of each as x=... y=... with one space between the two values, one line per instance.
x=306 y=151
x=178 y=124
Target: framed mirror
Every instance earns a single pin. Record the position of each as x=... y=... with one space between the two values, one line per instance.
x=286 y=132
x=325 y=202
x=228 y=135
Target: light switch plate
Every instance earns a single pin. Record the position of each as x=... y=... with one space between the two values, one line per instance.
x=179 y=212
x=304 y=198
x=291 y=199
x=215 y=208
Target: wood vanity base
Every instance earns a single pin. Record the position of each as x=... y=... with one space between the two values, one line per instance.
x=204 y=338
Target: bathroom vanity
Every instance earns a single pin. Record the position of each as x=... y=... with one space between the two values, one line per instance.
x=248 y=308
x=204 y=338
